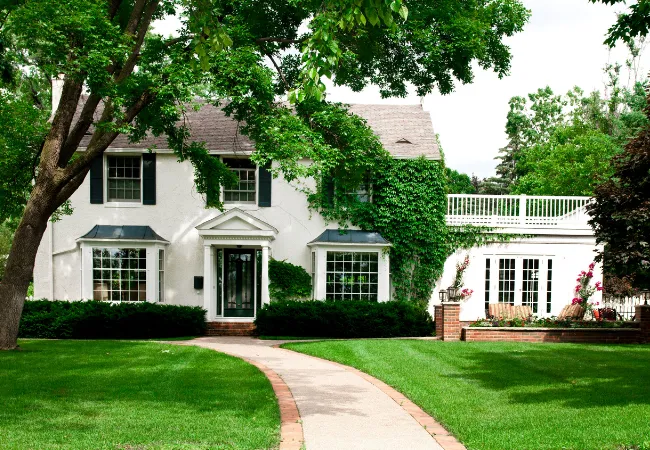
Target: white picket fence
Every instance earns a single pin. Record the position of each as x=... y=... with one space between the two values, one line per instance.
x=624 y=306
x=520 y=211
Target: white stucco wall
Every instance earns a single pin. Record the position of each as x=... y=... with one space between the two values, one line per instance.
x=570 y=255
x=178 y=210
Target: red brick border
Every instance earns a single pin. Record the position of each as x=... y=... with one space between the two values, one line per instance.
x=446 y=440
x=291 y=432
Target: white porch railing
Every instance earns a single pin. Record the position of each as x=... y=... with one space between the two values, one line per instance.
x=517 y=211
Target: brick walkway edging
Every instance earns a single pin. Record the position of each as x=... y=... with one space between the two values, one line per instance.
x=446 y=440
x=291 y=433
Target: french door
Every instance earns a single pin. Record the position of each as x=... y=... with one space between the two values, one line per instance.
x=520 y=280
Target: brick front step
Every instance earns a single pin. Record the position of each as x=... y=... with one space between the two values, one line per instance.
x=230 y=329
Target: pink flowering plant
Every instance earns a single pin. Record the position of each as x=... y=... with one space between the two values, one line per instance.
x=461 y=267
x=584 y=290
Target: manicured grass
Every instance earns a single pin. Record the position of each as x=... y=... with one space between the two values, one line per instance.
x=513 y=395
x=132 y=395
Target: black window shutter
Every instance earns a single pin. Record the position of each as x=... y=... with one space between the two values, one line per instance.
x=148 y=178
x=329 y=189
x=97 y=180
x=265 y=179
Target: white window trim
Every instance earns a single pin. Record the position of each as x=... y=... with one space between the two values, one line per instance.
x=383 y=274
x=123 y=204
x=86 y=249
x=519 y=261
x=222 y=193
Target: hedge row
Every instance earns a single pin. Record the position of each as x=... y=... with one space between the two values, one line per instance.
x=343 y=319
x=102 y=320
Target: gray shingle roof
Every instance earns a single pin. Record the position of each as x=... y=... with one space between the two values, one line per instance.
x=129 y=232
x=350 y=237
x=405 y=130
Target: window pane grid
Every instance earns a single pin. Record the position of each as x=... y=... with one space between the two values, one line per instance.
x=530 y=288
x=487 y=284
x=124 y=178
x=352 y=275
x=507 y=280
x=161 y=275
x=549 y=278
x=119 y=274
x=244 y=192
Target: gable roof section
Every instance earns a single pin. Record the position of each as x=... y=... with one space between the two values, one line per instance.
x=123 y=232
x=405 y=130
x=357 y=237
x=393 y=124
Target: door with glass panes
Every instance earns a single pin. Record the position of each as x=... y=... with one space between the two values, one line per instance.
x=520 y=280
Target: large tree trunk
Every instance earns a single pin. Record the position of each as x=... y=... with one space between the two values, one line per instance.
x=20 y=264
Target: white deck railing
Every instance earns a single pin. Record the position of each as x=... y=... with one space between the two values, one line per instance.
x=517 y=211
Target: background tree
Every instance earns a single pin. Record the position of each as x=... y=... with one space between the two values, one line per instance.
x=621 y=211
x=459 y=183
x=224 y=50
x=563 y=144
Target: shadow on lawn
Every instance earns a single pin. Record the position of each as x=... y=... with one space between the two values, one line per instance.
x=574 y=376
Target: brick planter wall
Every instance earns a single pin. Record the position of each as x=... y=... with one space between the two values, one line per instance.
x=230 y=329
x=643 y=316
x=582 y=335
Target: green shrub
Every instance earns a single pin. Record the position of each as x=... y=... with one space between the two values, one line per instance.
x=288 y=281
x=343 y=319
x=102 y=320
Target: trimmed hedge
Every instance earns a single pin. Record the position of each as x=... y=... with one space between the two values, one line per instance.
x=343 y=319
x=102 y=320
x=288 y=281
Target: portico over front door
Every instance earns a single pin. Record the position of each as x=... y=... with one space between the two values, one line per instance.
x=239 y=278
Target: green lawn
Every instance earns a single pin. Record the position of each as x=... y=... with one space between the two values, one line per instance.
x=132 y=395
x=513 y=395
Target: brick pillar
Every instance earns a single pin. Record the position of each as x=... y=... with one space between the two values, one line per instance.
x=437 y=318
x=450 y=330
x=643 y=315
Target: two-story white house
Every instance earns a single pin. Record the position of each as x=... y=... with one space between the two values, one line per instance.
x=141 y=232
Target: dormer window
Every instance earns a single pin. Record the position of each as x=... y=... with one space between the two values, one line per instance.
x=245 y=190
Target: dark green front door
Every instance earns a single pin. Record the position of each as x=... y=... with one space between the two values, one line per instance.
x=238 y=283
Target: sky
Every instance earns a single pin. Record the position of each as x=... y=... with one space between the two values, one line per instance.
x=561 y=46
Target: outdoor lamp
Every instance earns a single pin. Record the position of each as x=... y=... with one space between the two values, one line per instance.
x=645 y=295
x=443 y=295
x=452 y=292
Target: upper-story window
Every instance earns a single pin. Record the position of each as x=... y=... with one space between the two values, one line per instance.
x=124 y=181
x=245 y=191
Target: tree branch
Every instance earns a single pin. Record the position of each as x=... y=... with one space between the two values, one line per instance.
x=278 y=69
x=143 y=27
x=102 y=139
x=79 y=130
x=280 y=40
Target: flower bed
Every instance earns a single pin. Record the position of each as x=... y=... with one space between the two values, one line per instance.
x=551 y=322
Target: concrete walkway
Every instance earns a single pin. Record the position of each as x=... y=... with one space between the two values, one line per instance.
x=339 y=409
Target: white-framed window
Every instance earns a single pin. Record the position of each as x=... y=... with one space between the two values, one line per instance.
x=124 y=178
x=313 y=275
x=352 y=275
x=161 y=275
x=246 y=189
x=119 y=274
